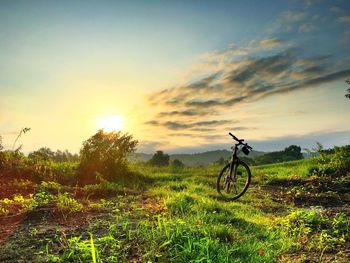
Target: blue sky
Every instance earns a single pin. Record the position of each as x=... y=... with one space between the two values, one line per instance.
x=265 y=70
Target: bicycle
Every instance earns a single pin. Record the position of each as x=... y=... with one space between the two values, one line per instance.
x=235 y=177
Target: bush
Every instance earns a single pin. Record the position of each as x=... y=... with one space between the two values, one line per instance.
x=177 y=163
x=104 y=155
x=336 y=164
x=341 y=159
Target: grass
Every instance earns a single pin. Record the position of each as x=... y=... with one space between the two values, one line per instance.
x=265 y=174
x=175 y=215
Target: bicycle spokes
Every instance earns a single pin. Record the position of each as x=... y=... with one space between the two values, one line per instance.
x=227 y=182
x=232 y=185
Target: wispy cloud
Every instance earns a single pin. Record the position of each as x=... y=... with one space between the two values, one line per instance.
x=178 y=125
x=346 y=37
x=293 y=16
x=344 y=19
x=306 y=28
x=239 y=80
x=287 y=20
x=335 y=9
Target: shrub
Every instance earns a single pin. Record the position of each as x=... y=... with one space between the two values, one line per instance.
x=341 y=159
x=337 y=163
x=177 y=163
x=104 y=154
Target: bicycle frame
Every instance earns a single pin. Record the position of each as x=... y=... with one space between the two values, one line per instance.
x=233 y=161
x=233 y=168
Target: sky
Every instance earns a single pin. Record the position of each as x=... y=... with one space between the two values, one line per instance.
x=177 y=75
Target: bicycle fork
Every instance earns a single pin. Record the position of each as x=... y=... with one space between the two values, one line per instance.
x=229 y=178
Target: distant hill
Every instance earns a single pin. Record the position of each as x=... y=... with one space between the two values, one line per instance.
x=195 y=159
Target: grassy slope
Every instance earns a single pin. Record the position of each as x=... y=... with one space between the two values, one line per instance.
x=178 y=217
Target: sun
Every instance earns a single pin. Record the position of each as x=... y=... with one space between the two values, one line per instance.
x=111 y=123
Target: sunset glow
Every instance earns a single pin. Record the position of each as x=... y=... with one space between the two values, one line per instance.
x=274 y=74
x=111 y=123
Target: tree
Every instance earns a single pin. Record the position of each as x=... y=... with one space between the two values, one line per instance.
x=160 y=159
x=44 y=153
x=65 y=156
x=294 y=152
x=177 y=163
x=348 y=90
x=105 y=154
x=47 y=154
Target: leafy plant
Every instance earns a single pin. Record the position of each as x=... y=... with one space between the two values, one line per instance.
x=337 y=163
x=68 y=204
x=324 y=232
x=17 y=204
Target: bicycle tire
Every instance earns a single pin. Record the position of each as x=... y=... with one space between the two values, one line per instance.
x=247 y=182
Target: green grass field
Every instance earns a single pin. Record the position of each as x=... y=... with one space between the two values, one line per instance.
x=176 y=215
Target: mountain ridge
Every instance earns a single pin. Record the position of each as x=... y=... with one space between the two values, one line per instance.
x=195 y=159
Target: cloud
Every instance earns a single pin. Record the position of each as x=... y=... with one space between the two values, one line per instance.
x=344 y=19
x=335 y=9
x=293 y=16
x=240 y=128
x=309 y=3
x=346 y=36
x=202 y=106
x=153 y=122
x=327 y=138
x=178 y=125
x=270 y=43
x=150 y=146
x=187 y=112
x=286 y=20
x=235 y=51
x=257 y=78
x=306 y=28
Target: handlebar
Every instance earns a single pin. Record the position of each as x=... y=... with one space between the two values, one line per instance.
x=235 y=138
x=240 y=141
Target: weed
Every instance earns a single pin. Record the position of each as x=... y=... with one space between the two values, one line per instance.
x=321 y=231
x=67 y=204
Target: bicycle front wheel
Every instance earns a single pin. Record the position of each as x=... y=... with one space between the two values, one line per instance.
x=234 y=186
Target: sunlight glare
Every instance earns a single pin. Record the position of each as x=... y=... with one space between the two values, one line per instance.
x=111 y=123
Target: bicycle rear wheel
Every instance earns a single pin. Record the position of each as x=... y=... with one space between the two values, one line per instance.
x=233 y=187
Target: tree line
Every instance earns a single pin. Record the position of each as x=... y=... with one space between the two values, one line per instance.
x=46 y=154
x=290 y=153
